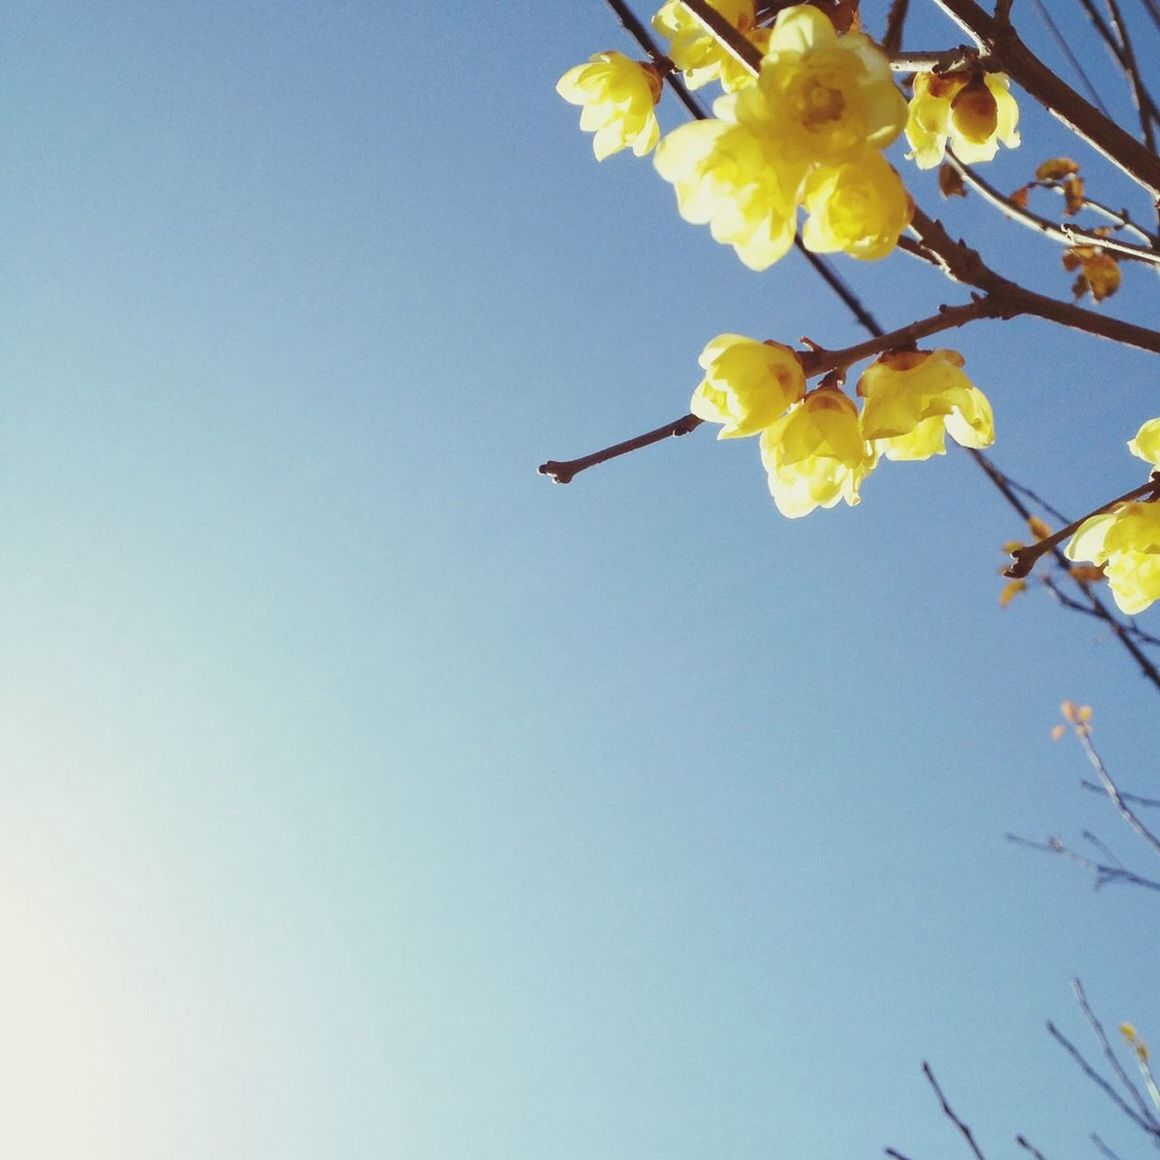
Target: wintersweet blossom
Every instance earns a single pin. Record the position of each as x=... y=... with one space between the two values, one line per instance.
x=737 y=182
x=1126 y=541
x=974 y=113
x=860 y=207
x=747 y=385
x=816 y=455
x=824 y=97
x=914 y=398
x=1146 y=444
x=698 y=53
x=619 y=97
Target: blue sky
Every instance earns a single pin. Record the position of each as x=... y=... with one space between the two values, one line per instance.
x=364 y=794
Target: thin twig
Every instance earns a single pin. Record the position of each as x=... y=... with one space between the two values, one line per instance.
x=1027 y=1146
x=1105 y=875
x=1098 y=1079
x=1128 y=797
x=1113 y=792
x=1065 y=601
x=1103 y=1149
x=1144 y=106
x=1110 y=1055
x=949 y=1113
x=1064 y=46
x=1066 y=233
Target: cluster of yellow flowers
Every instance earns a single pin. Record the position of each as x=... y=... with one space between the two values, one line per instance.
x=816 y=447
x=1125 y=539
x=808 y=131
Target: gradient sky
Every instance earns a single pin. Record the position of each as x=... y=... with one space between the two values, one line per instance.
x=367 y=795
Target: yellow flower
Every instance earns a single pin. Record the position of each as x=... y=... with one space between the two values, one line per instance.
x=1126 y=540
x=697 y=52
x=618 y=96
x=860 y=207
x=748 y=384
x=975 y=113
x=824 y=97
x=914 y=398
x=815 y=455
x=1147 y=443
x=735 y=181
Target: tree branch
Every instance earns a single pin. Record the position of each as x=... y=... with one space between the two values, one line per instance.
x=999 y=40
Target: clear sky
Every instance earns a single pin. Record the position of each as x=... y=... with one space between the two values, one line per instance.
x=366 y=795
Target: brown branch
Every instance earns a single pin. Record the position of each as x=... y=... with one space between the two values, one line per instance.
x=1102 y=1148
x=999 y=40
x=895 y=21
x=1145 y=105
x=565 y=471
x=1025 y=558
x=950 y=60
x=1128 y=797
x=963 y=264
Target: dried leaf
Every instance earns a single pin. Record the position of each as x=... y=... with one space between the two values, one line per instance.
x=950 y=183
x=1038 y=528
x=1019 y=197
x=1010 y=591
x=1073 y=194
x=1057 y=732
x=1013 y=546
x=1100 y=274
x=1056 y=168
x=1103 y=276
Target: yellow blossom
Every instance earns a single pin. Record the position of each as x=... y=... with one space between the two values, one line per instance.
x=748 y=384
x=1126 y=540
x=974 y=113
x=697 y=52
x=815 y=455
x=735 y=181
x=860 y=207
x=1146 y=444
x=824 y=97
x=915 y=398
x=618 y=96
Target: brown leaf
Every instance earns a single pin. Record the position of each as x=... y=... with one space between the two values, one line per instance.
x=1019 y=197
x=950 y=184
x=1056 y=168
x=1073 y=194
x=1038 y=528
x=1103 y=276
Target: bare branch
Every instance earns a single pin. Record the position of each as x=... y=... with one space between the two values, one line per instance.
x=1110 y=1055
x=1064 y=46
x=1066 y=233
x=949 y=1113
x=1114 y=793
x=1027 y=1146
x=1104 y=875
x=1104 y=1150
x=1145 y=107
x=1098 y=1079
x=1128 y=797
